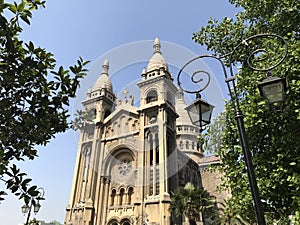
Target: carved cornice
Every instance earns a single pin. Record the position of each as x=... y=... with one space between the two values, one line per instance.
x=121 y=136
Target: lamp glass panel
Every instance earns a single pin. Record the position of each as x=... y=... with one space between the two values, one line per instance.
x=207 y=116
x=25 y=209
x=36 y=208
x=194 y=111
x=273 y=92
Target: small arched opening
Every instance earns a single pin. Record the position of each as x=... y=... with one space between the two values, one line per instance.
x=130 y=193
x=106 y=113
x=125 y=222
x=152 y=96
x=113 y=222
x=113 y=196
x=122 y=191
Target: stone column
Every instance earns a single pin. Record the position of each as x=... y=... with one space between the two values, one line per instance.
x=105 y=200
x=99 y=219
x=154 y=163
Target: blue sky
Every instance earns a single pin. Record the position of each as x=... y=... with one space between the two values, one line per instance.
x=93 y=29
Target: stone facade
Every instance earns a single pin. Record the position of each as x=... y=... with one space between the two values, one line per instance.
x=212 y=178
x=130 y=158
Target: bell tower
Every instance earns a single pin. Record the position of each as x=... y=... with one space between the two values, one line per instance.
x=158 y=116
x=99 y=105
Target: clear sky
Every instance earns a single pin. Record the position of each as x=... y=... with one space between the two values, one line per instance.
x=93 y=29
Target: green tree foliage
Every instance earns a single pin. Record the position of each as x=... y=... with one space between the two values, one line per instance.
x=56 y=222
x=34 y=94
x=226 y=215
x=189 y=201
x=34 y=221
x=82 y=118
x=273 y=134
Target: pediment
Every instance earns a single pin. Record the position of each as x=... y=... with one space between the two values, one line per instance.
x=123 y=120
x=127 y=111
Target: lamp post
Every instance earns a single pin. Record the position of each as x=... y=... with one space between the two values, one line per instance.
x=272 y=88
x=34 y=202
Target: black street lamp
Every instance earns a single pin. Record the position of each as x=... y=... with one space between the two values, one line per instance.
x=200 y=112
x=272 y=88
x=34 y=201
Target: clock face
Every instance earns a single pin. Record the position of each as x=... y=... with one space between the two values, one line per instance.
x=124 y=167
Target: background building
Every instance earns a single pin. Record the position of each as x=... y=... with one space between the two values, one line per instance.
x=130 y=158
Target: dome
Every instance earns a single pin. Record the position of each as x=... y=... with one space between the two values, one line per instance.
x=103 y=80
x=157 y=60
x=187 y=132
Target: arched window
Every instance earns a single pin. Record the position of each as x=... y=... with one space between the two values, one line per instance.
x=125 y=222
x=92 y=114
x=113 y=196
x=187 y=144
x=181 y=144
x=170 y=98
x=196 y=178
x=86 y=164
x=152 y=96
x=121 y=196
x=193 y=145
x=113 y=222
x=106 y=113
x=130 y=192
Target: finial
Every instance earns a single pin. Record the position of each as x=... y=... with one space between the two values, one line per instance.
x=105 y=67
x=125 y=92
x=156 y=45
x=179 y=93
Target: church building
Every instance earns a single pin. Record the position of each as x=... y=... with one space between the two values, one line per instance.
x=131 y=158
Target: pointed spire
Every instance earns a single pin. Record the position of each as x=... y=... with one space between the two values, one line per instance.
x=103 y=80
x=157 y=61
x=156 y=46
x=105 y=67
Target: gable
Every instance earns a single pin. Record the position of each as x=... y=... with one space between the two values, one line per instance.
x=122 y=121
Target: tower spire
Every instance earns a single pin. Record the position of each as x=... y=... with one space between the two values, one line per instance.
x=156 y=46
x=179 y=95
x=105 y=67
x=157 y=61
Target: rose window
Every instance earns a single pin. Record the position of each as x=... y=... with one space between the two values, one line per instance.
x=124 y=167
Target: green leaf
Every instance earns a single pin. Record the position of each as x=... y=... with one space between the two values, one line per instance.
x=32 y=191
x=21 y=6
x=25 y=19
